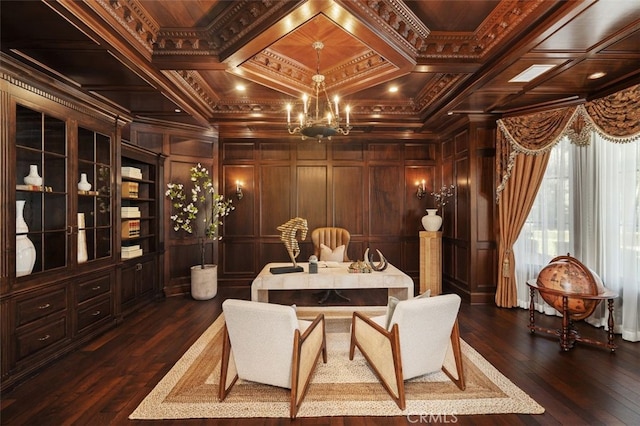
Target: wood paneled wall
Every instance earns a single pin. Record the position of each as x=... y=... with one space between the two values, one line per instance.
x=470 y=241
x=367 y=187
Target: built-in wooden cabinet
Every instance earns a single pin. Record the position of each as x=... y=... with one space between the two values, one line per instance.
x=59 y=271
x=69 y=271
x=63 y=277
x=140 y=246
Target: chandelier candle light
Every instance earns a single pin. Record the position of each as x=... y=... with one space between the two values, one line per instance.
x=318 y=126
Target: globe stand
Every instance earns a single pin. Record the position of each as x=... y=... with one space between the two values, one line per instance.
x=568 y=333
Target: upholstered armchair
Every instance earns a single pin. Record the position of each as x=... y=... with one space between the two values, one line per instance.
x=267 y=343
x=331 y=244
x=417 y=337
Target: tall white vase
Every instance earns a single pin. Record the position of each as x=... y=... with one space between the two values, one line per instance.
x=82 y=240
x=204 y=282
x=25 y=250
x=432 y=222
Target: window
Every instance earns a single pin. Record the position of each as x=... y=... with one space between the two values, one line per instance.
x=589 y=206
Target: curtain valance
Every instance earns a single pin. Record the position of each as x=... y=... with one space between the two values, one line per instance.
x=615 y=117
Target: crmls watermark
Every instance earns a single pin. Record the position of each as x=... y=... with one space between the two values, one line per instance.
x=432 y=418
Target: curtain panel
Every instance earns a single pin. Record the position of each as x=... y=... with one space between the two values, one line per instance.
x=615 y=117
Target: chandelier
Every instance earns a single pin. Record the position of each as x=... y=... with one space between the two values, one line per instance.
x=318 y=126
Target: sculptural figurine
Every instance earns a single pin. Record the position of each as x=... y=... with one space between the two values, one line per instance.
x=288 y=233
x=368 y=259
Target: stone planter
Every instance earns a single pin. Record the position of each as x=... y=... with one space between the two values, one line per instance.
x=204 y=282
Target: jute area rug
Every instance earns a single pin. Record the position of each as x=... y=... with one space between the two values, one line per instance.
x=338 y=388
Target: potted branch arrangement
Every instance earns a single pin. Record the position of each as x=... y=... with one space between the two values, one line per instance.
x=199 y=210
x=432 y=221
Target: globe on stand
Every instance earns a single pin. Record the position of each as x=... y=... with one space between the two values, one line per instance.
x=570 y=276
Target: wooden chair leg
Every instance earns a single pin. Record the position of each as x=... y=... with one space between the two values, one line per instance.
x=458 y=378
x=228 y=373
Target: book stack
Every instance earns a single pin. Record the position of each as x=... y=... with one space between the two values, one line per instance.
x=130 y=189
x=130 y=229
x=131 y=172
x=130 y=212
x=129 y=252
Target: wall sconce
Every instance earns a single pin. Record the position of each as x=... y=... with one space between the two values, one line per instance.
x=422 y=191
x=239 y=193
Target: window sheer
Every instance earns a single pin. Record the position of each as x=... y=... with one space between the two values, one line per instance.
x=589 y=206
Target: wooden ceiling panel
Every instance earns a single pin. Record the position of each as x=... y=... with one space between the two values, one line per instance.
x=150 y=57
x=598 y=24
x=339 y=45
x=453 y=16
x=577 y=81
x=182 y=14
x=225 y=86
x=626 y=46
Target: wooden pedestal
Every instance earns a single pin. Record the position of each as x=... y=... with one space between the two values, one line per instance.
x=431 y=262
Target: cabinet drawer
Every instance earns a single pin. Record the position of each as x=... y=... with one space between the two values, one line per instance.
x=93 y=288
x=36 y=339
x=31 y=309
x=93 y=312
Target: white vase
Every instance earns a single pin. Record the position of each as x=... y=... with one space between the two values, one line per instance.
x=84 y=185
x=25 y=250
x=82 y=240
x=432 y=222
x=33 y=178
x=204 y=282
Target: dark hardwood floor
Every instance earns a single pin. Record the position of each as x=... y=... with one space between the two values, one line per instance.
x=106 y=380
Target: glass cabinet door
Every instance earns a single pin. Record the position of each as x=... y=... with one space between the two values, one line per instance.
x=41 y=192
x=52 y=205
x=94 y=196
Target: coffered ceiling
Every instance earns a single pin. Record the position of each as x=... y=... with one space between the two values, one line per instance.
x=184 y=61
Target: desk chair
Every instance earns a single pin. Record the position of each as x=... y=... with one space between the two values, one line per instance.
x=333 y=238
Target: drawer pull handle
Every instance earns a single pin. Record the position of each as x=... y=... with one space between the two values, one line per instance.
x=45 y=306
x=96 y=288
x=43 y=338
x=96 y=313
x=138 y=266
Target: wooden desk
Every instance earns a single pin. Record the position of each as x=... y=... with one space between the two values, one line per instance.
x=568 y=334
x=397 y=282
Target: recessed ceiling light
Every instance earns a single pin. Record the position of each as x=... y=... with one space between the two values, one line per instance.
x=530 y=73
x=393 y=89
x=596 y=75
x=240 y=88
x=177 y=110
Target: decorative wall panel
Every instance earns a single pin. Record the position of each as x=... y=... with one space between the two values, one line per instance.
x=312 y=195
x=276 y=198
x=275 y=151
x=386 y=192
x=241 y=222
x=193 y=147
x=237 y=151
x=311 y=150
x=348 y=198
